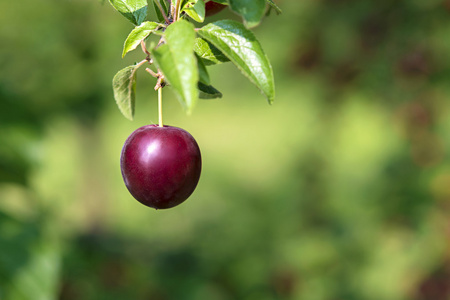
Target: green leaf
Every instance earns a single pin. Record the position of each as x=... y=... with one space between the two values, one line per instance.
x=274 y=6
x=133 y=10
x=163 y=4
x=124 y=87
x=242 y=48
x=209 y=54
x=138 y=34
x=251 y=11
x=177 y=62
x=202 y=72
x=224 y=2
x=208 y=92
x=196 y=10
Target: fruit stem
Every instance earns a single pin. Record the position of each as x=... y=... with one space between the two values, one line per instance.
x=160 y=107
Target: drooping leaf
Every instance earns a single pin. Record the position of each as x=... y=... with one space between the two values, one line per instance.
x=159 y=14
x=251 y=11
x=202 y=72
x=124 y=88
x=243 y=49
x=274 y=6
x=177 y=62
x=196 y=10
x=138 y=34
x=133 y=10
x=208 y=92
x=209 y=54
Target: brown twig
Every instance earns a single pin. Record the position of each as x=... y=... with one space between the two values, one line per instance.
x=162 y=11
x=156 y=75
x=144 y=49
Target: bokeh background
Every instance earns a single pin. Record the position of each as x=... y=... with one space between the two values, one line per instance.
x=339 y=190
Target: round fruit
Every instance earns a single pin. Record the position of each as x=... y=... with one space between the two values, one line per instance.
x=212 y=8
x=161 y=166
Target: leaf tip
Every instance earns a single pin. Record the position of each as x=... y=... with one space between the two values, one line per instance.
x=251 y=24
x=270 y=99
x=129 y=117
x=127 y=114
x=189 y=111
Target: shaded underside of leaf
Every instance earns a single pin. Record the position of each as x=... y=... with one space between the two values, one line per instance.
x=208 y=91
x=209 y=54
x=242 y=48
x=124 y=88
x=202 y=72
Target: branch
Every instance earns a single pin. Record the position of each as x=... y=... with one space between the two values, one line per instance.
x=162 y=11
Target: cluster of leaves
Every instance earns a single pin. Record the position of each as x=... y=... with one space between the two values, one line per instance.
x=183 y=53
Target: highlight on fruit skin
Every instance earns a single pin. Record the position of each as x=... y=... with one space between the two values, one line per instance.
x=160 y=166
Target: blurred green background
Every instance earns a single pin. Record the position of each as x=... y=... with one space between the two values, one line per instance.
x=338 y=191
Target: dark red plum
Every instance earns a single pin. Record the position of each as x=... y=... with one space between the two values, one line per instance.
x=212 y=8
x=160 y=166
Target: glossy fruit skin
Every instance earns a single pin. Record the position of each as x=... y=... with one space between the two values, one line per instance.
x=160 y=166
x=212 y=8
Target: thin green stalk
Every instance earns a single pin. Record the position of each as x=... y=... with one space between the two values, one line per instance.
x=160 y=107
